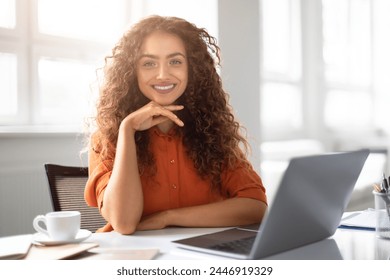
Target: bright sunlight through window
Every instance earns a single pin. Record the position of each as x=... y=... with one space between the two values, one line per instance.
x=96 y=20
x=7 y=13
x=8 y=84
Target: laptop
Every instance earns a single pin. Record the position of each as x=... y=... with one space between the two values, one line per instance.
x=307 y=208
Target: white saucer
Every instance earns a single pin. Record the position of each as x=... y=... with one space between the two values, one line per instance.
x=43 y=239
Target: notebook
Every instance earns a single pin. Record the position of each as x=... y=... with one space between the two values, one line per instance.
x=307 y=208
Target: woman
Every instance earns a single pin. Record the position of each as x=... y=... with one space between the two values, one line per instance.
x=167 y=148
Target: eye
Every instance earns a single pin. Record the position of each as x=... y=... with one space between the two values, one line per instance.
x=148 y=64
x=175 y=62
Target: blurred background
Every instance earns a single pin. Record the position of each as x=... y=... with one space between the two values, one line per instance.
x=304 y=77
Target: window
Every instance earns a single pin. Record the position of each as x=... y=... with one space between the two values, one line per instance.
x=7 y=14
x=8 y=82
x=340 y=48
x=85 y=20
x=281 y=100
x=50 y=51
x=48 y=63
x=63 y=85
x=203 y=13
x=348 y=68
x=356 y=56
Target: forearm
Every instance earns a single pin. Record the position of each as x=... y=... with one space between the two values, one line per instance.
x=230 y=212
x=123 y=198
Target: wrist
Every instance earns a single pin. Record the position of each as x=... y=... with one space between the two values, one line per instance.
x=168 y=217
x=126 y=128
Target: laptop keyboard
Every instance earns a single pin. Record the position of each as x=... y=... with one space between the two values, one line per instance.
x=240 y=246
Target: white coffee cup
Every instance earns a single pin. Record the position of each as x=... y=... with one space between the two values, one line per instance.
x=60 y=225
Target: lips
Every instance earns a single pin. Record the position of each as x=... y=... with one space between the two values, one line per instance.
x=164 y=88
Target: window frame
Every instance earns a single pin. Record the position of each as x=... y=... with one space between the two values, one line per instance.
x=28 y=44
x=315 y=87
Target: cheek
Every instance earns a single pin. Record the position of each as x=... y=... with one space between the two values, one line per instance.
x=183 y=75
x=142 y=79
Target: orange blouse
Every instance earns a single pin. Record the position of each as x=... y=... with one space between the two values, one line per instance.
x=176 y=183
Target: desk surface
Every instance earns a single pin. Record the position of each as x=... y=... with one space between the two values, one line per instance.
x=344 y=244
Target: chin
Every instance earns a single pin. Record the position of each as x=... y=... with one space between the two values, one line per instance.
x=165 y=102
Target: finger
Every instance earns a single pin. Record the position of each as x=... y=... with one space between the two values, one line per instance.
x=173 y=107
x=160 y=119
x=168 y=114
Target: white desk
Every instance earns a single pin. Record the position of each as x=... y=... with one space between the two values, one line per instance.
x=344 y=244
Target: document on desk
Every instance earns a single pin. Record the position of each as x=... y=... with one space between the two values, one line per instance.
x=15 y=247
x=58 y=252
x=364 y=220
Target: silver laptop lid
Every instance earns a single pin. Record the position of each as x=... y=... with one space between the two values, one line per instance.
x=309 y=202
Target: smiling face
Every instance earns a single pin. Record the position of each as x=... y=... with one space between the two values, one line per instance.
x=162 y=70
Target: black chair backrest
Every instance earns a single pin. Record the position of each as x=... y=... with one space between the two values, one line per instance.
x=67 y=185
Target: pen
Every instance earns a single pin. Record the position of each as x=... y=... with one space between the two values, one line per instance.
x=385 y=184
x=377 y=188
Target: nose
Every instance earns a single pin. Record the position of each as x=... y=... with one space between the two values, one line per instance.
x=163 y=72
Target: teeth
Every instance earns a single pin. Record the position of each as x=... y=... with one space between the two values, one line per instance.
x=164 y=87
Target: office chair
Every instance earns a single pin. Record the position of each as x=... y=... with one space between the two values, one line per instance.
x=67 y=185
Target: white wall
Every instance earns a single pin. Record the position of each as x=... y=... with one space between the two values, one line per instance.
x=24 y=191
x=239 y=39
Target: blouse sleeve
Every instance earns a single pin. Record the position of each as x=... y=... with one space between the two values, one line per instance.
x=243 y=181
x=99 y=174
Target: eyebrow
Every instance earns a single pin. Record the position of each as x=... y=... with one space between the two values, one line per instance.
x=168 y=56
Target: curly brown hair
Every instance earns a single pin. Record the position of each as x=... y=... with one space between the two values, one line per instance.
x=211 y=134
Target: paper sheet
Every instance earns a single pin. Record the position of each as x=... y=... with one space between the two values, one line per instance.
x=15 y=247
x=359 y=219
x=59 y=252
